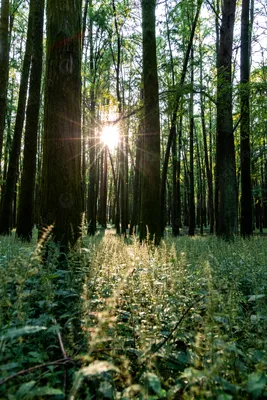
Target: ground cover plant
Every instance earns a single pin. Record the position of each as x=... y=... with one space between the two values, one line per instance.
x=186 y=319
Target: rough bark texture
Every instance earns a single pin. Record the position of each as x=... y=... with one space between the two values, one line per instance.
x=8 y=196
x=246 y=224
x=4 y=61
x=150 y=200
x=226 y=168
x=26 y=200
x=61 y=194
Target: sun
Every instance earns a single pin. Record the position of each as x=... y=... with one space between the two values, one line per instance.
x=110 y=136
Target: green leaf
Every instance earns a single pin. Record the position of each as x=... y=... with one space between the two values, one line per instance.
x=106 y=389
x=256 y=383
x=153 y=382
x=224 y=396
x=94 y=369
x=44 y=391
x=25 y=389
x=18 y=332
x=255 y=297
x=9 y=366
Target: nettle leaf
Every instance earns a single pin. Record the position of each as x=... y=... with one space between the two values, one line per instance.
x=224 y=396
x=153 y=382
x=24 y=389
x=256 y=383
x=106 y=389
x=9 y=366
x=44 y=391
x=14 y=333
x=94 y=369
x=255 y=297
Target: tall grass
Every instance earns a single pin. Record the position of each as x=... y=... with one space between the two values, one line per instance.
x=184 y=320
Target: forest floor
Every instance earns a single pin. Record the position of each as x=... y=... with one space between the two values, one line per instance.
x=185 y=320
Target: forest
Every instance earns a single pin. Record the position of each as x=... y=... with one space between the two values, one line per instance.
x=133 y=199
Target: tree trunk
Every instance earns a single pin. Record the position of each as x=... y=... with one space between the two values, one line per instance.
x=246 y=224
x=8 y=196
x=174 y=119
x=92 y=190
x=61 y=199
x=208 y=165
x=226 y=168
x=150 y=200
x=136 y=188
x=26 y=200
x=4 y=62
x=191 y=230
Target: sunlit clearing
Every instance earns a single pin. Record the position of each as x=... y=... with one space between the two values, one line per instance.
x=110 y=136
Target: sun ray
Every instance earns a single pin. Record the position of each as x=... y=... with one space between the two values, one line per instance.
x=110 y=136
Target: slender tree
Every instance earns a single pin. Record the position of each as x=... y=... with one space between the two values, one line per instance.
x=4 y=61
x=61 y=194
x=174 y=117
x=8 y=195
x=26 y=200
x=150 y=195
x=246 y=225
x=92 y=197
x=191 y=230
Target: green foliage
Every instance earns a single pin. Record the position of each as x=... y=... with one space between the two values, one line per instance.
x=184 y=320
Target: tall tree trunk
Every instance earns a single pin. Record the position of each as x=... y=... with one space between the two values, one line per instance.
x=150 y=200
x=216 y=195
x=4 y=62
x=61 y=200
x=226 y=167
x=136 y=187
x=246 y=224
x=208 y=165
x=103 y=190
x=179 y=203
x=92 y=190
x=191 y=230
x=8 y=196
x=26 y=200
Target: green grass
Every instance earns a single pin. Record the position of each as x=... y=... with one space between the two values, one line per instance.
x=186 y=320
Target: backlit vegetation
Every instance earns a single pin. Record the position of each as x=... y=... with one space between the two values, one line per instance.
x=184 y=320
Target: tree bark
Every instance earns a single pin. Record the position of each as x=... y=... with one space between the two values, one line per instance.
x=150 y=195
x=8 y=196
x=92 y=189
x=61 y=199
x=191 y=230
x=26 y=200
x=226 y=167
x=246 y=223
x=4 y=62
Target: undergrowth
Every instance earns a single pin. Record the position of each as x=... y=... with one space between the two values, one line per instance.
x=186 y=320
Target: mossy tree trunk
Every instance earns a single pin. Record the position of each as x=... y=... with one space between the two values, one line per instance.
x=150 y=195
x=61 y=192
x=26 y=200
x=226 y=167
x=8 y=195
